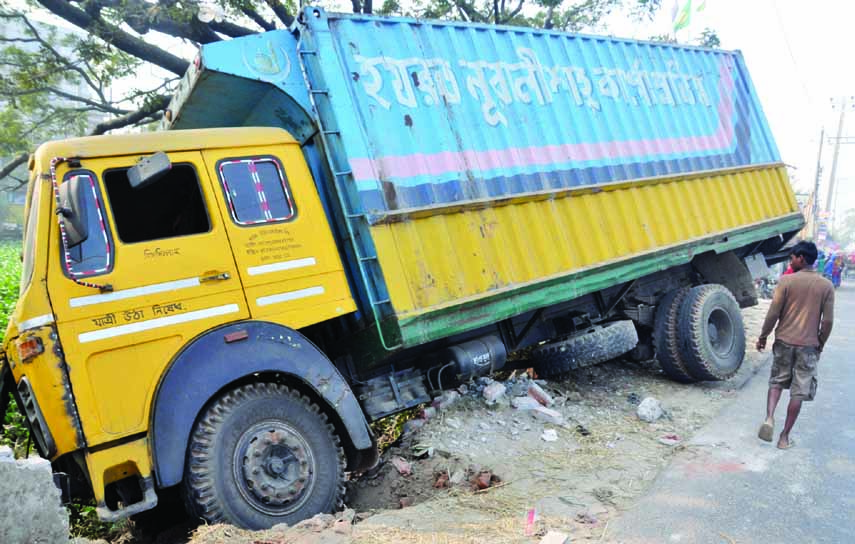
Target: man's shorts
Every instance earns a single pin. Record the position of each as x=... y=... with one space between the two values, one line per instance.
x=794 y=368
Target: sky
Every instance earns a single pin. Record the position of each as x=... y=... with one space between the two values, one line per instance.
x=799 y=56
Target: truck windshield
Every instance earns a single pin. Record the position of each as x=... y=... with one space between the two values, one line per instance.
x=29 y=233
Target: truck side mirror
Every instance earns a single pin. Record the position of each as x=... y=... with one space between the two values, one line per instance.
x=148 y=170
x=74 y=210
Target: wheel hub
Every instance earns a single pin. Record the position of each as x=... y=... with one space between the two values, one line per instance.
x=273 y=467
x=720 y=331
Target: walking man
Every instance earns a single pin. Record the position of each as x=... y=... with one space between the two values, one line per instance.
x=803 y=308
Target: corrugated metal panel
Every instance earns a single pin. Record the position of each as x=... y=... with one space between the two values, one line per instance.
x=439 y=113
x=452 y=258
x=475 y=160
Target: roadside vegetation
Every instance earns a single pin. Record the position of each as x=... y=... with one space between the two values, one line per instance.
x=84 y=520
x=14 y=432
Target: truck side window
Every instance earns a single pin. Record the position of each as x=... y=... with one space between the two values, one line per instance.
x=256 y=189
x=94 y=256
x=171 y=206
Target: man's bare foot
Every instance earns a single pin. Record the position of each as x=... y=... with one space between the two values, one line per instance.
x=784 y=443
x=766 y=430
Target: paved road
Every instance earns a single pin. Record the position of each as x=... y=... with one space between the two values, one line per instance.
x=729 y=487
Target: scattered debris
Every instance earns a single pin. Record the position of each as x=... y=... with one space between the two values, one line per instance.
x=530 y=518
x=446 y=400
x=581 y=429
x=604 y=495
x=493 y=392
x=413 y=425
x=649 y=410
x=484 y=479
x=537 y=393
x=314 y=524
x=587 y=518
x=524 y=403
x=549 y=435
x=402 y=466
x=457 y=477
x=405 y=502
x=670 y=440
x=421 y=451
x=548 y=414
x=453 y=423
x=428 y=412
x=633 y=399
x=554 y=537
x=442 y=480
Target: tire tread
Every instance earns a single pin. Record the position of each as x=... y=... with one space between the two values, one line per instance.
x=199 y=481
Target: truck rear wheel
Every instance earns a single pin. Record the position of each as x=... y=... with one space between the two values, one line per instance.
x=262 y=454
x=665 y=339
x=711 y=333
x=596 y=345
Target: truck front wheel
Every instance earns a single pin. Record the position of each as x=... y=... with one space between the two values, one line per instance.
x=263 y=454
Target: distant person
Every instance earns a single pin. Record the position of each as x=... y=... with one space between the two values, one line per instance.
x=837 y=271
x=829 y=267
x=803 y=309
x=820 y=262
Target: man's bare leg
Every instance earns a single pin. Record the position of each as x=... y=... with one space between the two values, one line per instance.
x=793 y=409
x=772 y=399
x=768 y=428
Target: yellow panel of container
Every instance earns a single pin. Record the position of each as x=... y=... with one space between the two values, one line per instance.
x=461 y=254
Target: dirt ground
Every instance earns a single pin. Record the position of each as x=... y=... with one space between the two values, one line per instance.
x=572 y=475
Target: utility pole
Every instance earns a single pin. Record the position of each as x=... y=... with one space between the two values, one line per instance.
x=832 y=178
x=814 y=214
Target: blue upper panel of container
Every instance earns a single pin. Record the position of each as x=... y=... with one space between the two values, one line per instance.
x=442 y=112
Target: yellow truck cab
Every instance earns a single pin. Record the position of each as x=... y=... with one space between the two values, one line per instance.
x=140 y=294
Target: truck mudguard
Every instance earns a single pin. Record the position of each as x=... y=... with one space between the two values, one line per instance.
x=228 y=354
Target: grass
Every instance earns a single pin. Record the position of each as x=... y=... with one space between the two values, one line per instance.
x=14 y=433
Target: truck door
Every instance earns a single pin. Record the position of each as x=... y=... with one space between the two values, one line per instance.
x=283 y=246
x=165 y=254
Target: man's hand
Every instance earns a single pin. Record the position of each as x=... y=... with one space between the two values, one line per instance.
x=761 y=344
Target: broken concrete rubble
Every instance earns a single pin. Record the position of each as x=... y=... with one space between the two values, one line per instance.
x=537 y=393
x=30 y=504
x=494 y=392
x=649 y=410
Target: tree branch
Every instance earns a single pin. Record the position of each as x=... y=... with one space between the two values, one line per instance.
x=549 y=23
x=68 y=96
x=280 y=11
x=13 y=164
x=515 y=12
x=116 y=36
x=18 y=40
x=368 y=7
x=62 y=59
x=157 y=105
x=230 y=29
x=257 y=19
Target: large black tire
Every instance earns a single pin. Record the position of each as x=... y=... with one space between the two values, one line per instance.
x=262 y=454
x=596 y=345
x=711 y=333
x=665 y=341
